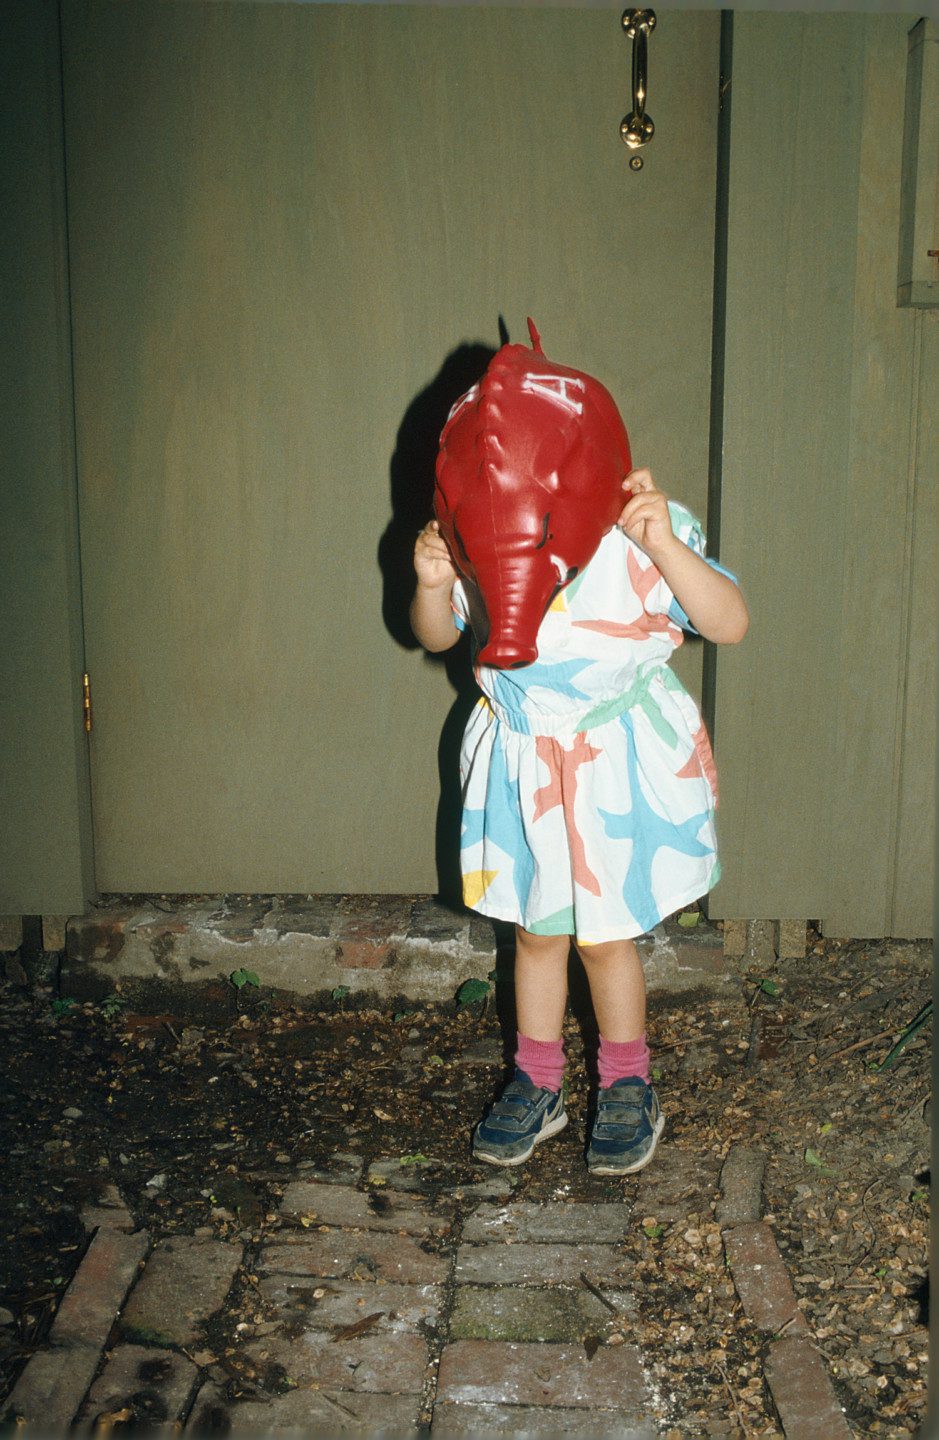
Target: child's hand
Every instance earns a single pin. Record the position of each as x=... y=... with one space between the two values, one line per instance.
x=645 y=516
x=432 y=558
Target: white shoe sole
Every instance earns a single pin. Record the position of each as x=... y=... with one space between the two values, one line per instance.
x=553 y=1127
x=640 y=1164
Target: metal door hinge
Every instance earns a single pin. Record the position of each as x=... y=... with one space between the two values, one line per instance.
x=86 y=702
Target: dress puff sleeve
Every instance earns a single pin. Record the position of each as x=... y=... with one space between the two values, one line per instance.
x=688 y=529
x=459 y=606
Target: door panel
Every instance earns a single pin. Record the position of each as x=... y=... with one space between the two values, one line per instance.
x=283 y=220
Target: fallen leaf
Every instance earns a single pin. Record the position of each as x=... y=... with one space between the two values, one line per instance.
x=104 y=1423
x=350 y=1332
x=815 y=1160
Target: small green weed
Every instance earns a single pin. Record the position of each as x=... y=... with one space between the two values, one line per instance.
x=240 y=978
x=471 y=991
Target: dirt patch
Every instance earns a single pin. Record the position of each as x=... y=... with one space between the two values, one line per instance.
x=200 y=1127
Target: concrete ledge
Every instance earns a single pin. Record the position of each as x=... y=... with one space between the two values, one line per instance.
x=164 y=954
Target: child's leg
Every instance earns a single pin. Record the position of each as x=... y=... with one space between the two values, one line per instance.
x=617 y=989
x=530 y=1110
x=540 y=983
x=628 y=1121
x=540 y=1002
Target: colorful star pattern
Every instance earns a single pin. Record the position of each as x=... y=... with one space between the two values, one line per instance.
x=648 y=830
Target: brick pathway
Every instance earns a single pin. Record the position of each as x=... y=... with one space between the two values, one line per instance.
x=392 y=1312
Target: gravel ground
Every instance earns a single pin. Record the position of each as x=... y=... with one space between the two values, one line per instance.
x=199 y=1129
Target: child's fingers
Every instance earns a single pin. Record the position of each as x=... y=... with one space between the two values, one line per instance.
x=645 y=506
x=640 y=479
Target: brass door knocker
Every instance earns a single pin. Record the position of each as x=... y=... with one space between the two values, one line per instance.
x=637 y=128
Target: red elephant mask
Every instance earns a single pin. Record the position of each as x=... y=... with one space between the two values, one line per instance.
x=529 y=479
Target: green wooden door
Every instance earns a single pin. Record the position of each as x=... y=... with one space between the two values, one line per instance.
x=282 y=221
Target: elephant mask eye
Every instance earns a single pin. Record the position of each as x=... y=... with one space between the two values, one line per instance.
x=545 y=537
x=566 y=572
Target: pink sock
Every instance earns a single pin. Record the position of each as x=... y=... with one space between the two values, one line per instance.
x=617 y=1060
x=541 y=1060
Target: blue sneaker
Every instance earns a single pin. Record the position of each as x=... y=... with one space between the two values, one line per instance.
x=523 y=1116
x=626 y=1129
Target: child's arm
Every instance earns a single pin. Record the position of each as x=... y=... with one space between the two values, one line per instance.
x=712 y=602
x=431 y=615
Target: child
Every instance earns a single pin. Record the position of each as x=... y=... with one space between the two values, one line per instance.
x=589 y=792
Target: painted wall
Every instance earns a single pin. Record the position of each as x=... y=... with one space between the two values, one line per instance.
x=293 y=229
x=825 y=717
x=45 y=839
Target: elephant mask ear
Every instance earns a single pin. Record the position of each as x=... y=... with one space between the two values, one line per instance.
x=529 y=480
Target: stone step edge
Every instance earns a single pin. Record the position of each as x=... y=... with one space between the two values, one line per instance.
x=412 y=947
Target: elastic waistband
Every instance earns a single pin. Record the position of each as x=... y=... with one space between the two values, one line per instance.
x=600 y=713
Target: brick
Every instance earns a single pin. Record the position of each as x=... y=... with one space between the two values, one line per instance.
x=374 y=917
x=488 y=1050
x=526 y=1264
x=238 y=920
x=430 y=920
x=525 y=1221
x=156 y=1385
x=762 y=941
x=368 y=954
x=53 y=932
x=735 y=938
x=741 y=1186
x=11 y=932
x=387 y=1364
x=313 y=916
x=792 y=939
x=480 y=1372
x=518 y=1312
x=343 y=1255
x=345 y=1302
x=343 y=1205
x=395 y=1176
x=690 y=954
x=495 y=1187
x=340 y=1168
x=107 y=1217
x=110 y=1212
x=305 y=1412
x=91 y=1303
x=186 y=1280
x=50 y=1389
x=482 y=936
x=99 y=938
x=762 y=1279
x=523 y=1420
x=802 y=1392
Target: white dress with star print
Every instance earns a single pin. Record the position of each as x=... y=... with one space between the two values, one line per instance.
x=589 y=787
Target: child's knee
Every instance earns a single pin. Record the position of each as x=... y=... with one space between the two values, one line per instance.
x=607 y=952
x=542 y=947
